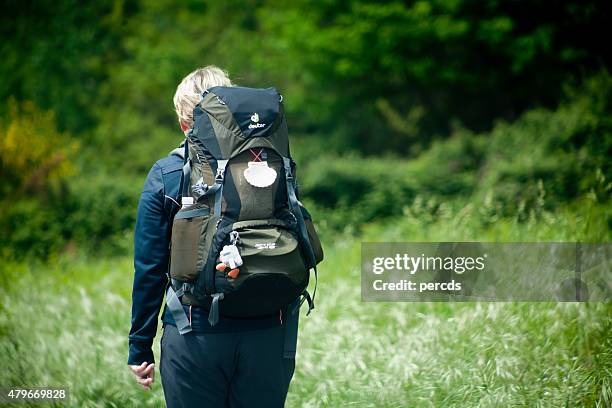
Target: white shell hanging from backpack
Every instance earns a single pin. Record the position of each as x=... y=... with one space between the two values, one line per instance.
x=259 y=174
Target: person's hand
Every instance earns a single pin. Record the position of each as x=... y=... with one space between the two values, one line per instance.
x=145 y=374
x=232 y=274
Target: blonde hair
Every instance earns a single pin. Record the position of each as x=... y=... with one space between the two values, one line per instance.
x=189 y=91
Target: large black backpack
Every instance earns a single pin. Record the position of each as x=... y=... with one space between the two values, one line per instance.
x=238 y=191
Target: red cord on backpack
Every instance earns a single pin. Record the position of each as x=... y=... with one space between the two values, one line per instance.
x=257 y=156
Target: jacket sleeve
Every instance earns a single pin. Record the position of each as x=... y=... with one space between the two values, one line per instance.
x=151 y=254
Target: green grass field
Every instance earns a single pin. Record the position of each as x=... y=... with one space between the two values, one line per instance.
x=65 y=323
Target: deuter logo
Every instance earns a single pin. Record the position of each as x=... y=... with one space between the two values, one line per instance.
x=266 y=245
x=255 y=120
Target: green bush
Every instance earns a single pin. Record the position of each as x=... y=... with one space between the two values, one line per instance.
x=559 y=155
x=93 y=214
x=102 y=212
x=541 y=161
x=29 y=229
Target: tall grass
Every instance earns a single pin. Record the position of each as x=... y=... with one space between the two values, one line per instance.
x=65 y=324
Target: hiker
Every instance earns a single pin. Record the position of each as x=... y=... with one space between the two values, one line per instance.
x=220 y=232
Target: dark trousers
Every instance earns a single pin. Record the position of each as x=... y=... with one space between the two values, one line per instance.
x=243 y=369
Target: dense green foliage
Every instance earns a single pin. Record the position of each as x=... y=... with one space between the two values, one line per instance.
x=539 y=162
x=347 y=68
x=390 y=105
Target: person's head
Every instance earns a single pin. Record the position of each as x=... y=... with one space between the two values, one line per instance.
x=189 y=91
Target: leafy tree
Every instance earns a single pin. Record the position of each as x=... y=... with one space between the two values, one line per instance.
x=57 y=53
x=33 y=153
x=390 y=75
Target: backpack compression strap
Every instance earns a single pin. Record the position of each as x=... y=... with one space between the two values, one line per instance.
x=217 y=189
x=176 y=307
x=294 y=206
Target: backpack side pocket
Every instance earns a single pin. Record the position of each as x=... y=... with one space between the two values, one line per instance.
x=315 y=243
x=187 y=230
x=313 y=237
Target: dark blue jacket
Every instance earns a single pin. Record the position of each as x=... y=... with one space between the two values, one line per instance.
x=157 y=206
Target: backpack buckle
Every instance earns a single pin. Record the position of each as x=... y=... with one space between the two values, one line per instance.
x=294 y=220
x=219 y=176
x=187 y=287
x=289 y=175
x=234 y=237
